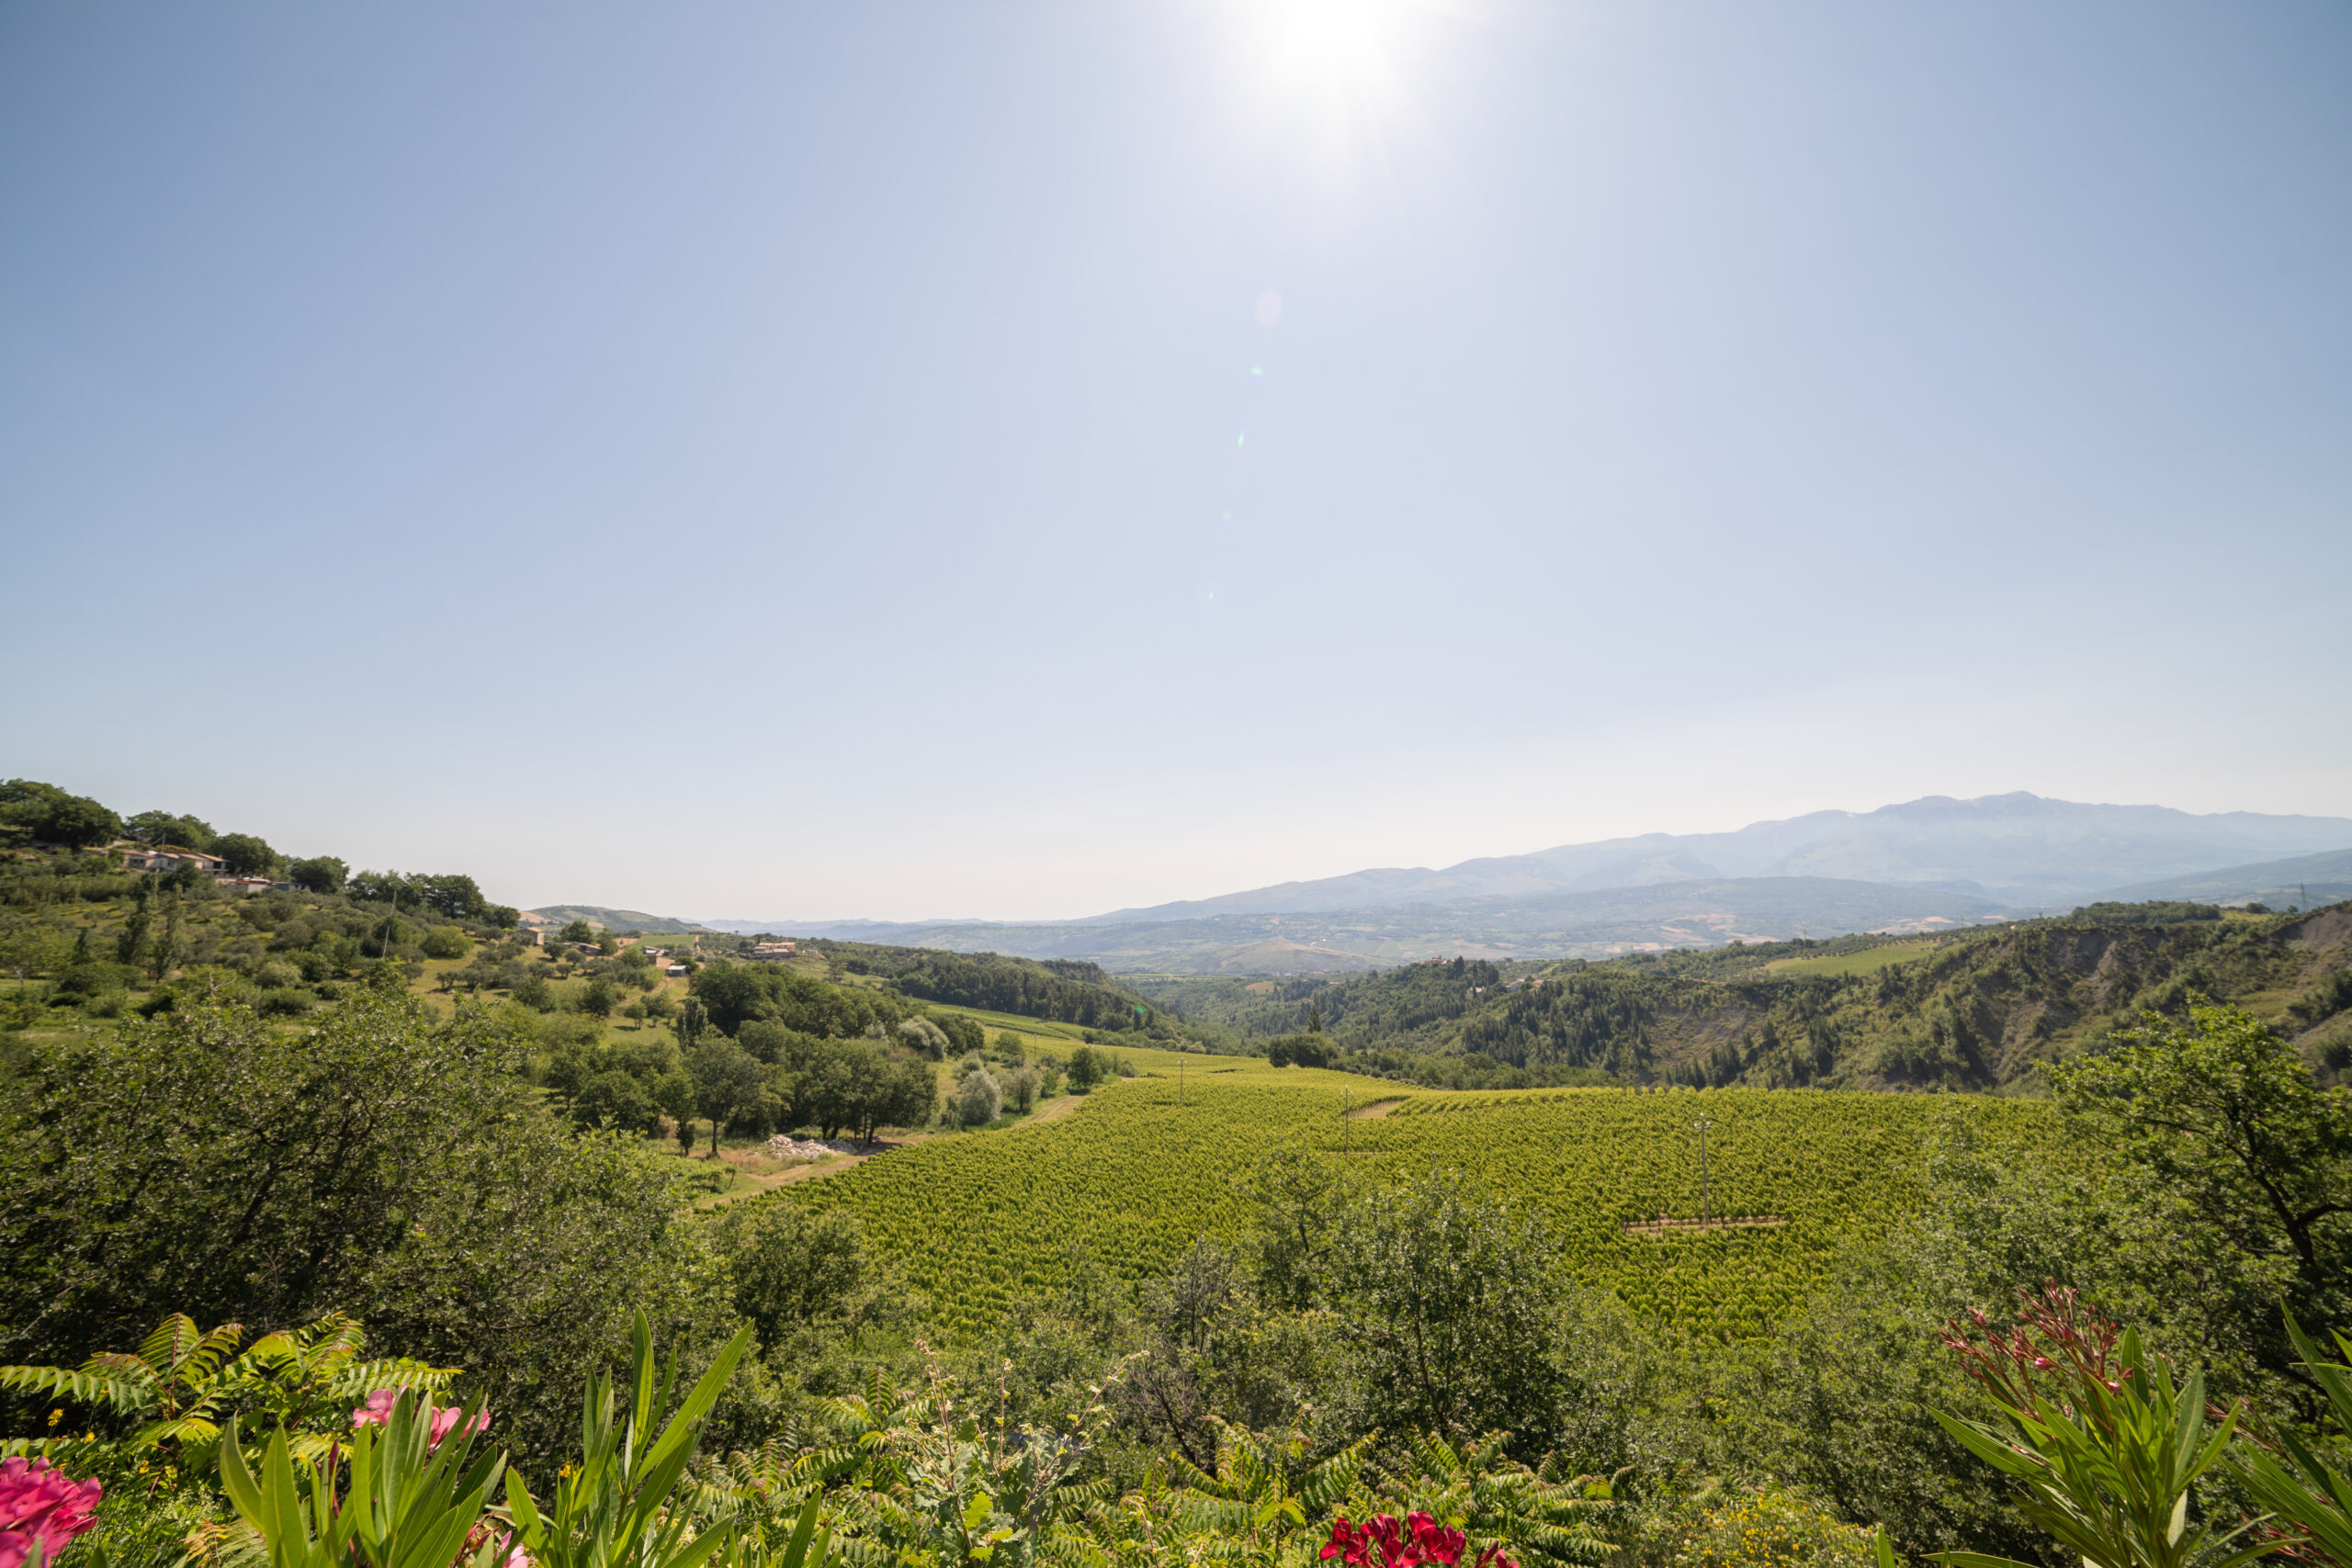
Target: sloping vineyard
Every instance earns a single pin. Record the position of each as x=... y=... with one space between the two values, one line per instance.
x=1135 y=1177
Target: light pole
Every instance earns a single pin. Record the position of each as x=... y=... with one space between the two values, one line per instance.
x=1702 y=1124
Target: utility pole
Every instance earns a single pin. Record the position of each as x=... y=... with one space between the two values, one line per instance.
x=1702 y=1124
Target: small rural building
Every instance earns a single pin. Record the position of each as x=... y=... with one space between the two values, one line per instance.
x=245 y=883
x=676 y=971
x=531 y=936
x=774 y=948
x=169 y=858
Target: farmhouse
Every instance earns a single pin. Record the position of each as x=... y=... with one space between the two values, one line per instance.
x=170 y=858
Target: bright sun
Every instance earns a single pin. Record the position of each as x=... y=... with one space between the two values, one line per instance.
x=1332 y=47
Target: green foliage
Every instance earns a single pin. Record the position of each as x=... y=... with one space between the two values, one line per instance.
x=383 y=1162
x=319 y=873
x=1063 y=990
x=182 y=1384
x=446 y=942
x=405 y=1503
x=2223 y=1121
x=246 y=855
x=2310 y=1495
x=158 y=827
x=49 y=814
x=979 y=1100
x=2157 y=912
x=2102 y=1446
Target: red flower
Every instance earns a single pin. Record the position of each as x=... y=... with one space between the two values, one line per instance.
x=1494 y=1557
x=1420 y=1542
x=1433 y=1542
x=40 y=1510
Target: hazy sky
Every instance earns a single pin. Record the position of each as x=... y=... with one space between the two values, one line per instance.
x=1023 y=460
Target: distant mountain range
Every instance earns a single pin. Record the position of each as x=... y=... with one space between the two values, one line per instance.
x=1930 y=863
x=2018 y=850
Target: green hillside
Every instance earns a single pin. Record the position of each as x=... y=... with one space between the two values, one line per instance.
x=1981 y=1011
x=620 y=919
x=1149 y=1164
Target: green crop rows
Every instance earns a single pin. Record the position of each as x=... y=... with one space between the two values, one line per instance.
x=1133 y=1178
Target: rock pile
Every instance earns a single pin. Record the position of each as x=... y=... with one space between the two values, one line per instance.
x=784 y=1146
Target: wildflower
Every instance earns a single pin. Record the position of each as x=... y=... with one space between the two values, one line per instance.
x=41 y=1511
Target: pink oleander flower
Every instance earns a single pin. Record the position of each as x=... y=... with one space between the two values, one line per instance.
x=481 y=1535
x=40 y=1510
x=443 y=1419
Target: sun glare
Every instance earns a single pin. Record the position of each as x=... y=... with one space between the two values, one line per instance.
x=1332 y=48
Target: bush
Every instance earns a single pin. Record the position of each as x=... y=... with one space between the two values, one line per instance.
x=616 y=1098
x=276 y=974
x=386 y=1162
x=284 y=1001
x=1087 y=1067
x=981 y=1101
x=1021 y=1084
x=447 y=941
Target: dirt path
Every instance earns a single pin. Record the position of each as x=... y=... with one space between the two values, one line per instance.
x=1052 y=1110
x=1374 y=1111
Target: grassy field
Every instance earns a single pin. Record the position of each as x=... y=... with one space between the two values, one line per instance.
x=1135 y=1174
x=1870 y=961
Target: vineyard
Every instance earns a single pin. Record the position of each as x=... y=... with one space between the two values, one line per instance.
x=1135 y=1176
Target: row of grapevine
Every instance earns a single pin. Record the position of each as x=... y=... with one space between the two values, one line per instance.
x=1148 y=1165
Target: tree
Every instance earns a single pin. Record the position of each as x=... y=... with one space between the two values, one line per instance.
x=77 y=822
x=320 y=873
x=2228 y=1128
x=1086 y=1067
x=980 y=1100
x=451 y=895
x=727 y=1080
x=157 y=828
x=694 y=1021
x=246 y=855
x=796 y=1271
x=446 y=942
x=615 y=1098
x=1455 y=1308
x=598 y=1001
x=577 y=931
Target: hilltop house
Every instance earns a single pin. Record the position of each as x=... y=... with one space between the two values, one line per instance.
x=170 y=858
x=773 y=950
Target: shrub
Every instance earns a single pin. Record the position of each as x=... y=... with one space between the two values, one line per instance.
x=981 y=1101
x=1021 y=1084
x=446 y=942
x=1087 y=1067
x=272 y=973
x=284 y=1001
x=1773 y=1529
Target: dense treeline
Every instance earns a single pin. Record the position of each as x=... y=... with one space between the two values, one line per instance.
x=1056 y=990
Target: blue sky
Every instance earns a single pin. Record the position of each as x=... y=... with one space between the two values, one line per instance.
x=1024 y=459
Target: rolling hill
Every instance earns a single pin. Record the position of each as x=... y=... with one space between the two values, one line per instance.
x=2306 y=881
x=1605 y=923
